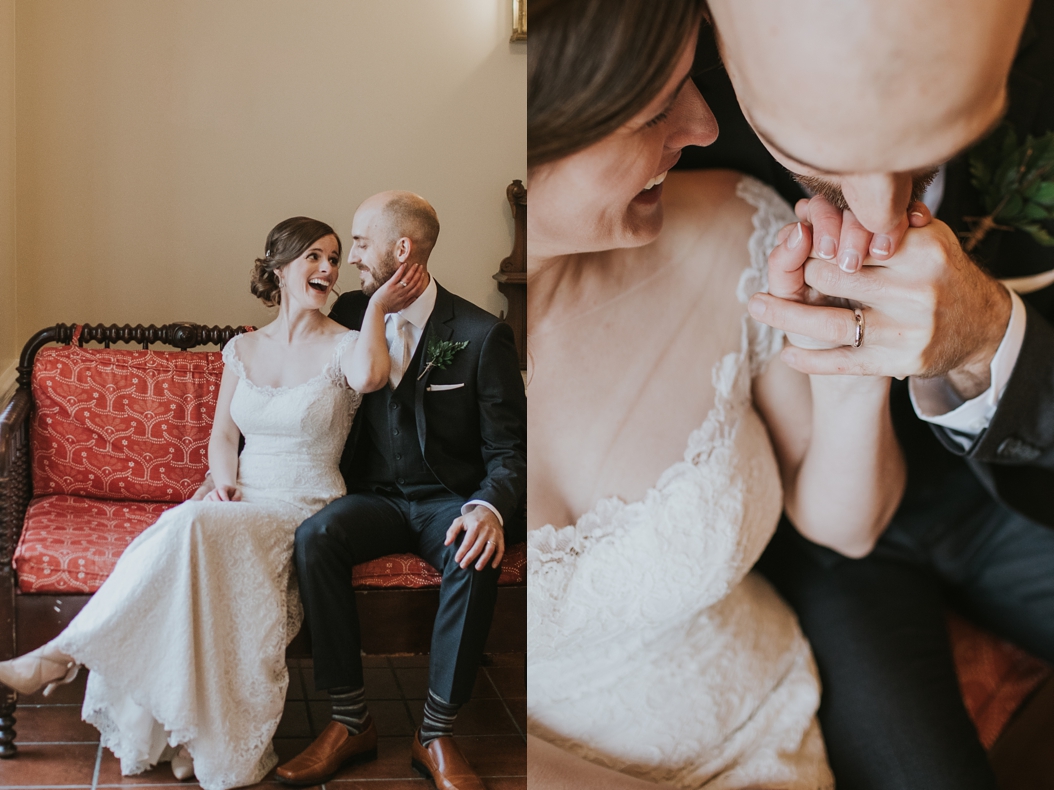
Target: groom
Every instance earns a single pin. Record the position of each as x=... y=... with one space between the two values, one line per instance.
x=436 y=464
x=862 y=102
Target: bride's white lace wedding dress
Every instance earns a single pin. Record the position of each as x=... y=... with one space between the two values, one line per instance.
x=186 y=639
x=651 y=647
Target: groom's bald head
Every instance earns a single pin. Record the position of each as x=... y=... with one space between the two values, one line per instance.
x=865 y=97
x=389 y=229
x=400 y=214
x=869 y=85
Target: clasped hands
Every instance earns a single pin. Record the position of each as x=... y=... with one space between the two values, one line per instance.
x=928 y=310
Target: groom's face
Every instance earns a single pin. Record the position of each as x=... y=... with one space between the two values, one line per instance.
x=865 y=99
x=372 y=250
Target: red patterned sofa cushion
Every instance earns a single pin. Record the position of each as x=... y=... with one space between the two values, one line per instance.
x=409 y=570
x=70 y=545
x=995 y=676
x=125 y=425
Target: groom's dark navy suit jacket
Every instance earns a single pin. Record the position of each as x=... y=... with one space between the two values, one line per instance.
x=473 y=437
x=1014 y=457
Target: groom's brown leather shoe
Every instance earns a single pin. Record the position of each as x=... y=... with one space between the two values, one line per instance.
x=332 y=749
x=443 y=763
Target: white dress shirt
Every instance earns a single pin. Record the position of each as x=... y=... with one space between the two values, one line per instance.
x=415 y=319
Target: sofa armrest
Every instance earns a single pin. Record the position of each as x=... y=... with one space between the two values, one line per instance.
x=14 y=472
x=13 y=420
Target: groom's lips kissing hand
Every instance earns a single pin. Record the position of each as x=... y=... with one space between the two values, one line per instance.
x=652 y=191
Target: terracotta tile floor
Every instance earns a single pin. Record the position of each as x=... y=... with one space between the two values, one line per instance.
x=57 y=750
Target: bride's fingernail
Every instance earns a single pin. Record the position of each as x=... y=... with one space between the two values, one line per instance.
x=827 y=248
x=756 y=307
x=795 y=237
x=881 y=245
x=849 y=261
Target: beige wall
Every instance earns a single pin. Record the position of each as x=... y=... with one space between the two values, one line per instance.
x=158 y=143
x=10 y=342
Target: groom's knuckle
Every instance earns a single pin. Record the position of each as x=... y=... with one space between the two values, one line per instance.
x=826 y=277
x=833 y=327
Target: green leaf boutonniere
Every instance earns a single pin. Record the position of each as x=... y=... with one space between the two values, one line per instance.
x=1016 y=185
x=441 y=353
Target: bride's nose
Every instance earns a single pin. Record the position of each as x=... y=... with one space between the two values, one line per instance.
x=691 y=121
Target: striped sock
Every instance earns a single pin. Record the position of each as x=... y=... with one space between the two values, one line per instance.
x=438 y=718
x=349 y=708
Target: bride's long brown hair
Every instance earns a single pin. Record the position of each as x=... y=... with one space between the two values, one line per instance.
x=594 y=64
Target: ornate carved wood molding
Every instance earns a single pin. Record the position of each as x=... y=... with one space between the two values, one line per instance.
x=512 y=273
x=182 y=335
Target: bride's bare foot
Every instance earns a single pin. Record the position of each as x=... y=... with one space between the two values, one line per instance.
x=45 y=668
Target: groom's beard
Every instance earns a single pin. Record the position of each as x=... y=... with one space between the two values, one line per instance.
x=833 y=193
x=382 y=274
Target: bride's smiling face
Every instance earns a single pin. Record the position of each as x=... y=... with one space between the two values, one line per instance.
x=308 y=280
x=609 y=195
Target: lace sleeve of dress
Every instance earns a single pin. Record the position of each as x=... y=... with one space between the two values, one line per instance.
x=771 y=213
x=336 y=364
x=230 y=357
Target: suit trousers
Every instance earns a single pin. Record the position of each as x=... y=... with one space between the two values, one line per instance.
x=363 y=526
x=891 y=712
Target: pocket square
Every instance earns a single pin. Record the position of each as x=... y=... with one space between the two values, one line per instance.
x=443 y=387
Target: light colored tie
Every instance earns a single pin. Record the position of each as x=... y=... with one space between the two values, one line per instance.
x=399 y=349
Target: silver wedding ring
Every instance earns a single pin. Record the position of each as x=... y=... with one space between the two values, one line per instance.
x=490 y=542
x=858 y=338
x=402 y=283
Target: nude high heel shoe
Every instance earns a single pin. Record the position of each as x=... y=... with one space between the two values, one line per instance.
x=182 y=764
x=44 y=667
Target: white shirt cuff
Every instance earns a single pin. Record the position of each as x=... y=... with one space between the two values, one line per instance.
x=935 y=400
x=465 y=508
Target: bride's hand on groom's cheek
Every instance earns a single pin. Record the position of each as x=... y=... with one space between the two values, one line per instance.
x=402 y=288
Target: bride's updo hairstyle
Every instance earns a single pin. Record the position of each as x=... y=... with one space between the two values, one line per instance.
x=594 y=64
x=289 y=239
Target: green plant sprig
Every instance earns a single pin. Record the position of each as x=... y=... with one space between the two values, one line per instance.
x=441 y=353
x=1016 y=185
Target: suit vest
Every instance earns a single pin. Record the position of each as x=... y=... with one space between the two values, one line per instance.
x=395 y=460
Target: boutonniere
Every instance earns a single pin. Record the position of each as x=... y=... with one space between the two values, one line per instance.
x=440 y=354
x=1016 y=185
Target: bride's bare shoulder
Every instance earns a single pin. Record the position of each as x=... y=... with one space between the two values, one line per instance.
x=707 y=225
x=706 y=201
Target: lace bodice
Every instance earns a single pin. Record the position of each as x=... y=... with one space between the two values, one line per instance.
x=294 y=436
x=650 y=650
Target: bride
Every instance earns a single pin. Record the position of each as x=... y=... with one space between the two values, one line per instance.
x=186 y=639
x=666 y=434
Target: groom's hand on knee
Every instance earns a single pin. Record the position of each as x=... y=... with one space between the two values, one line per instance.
x=484 y=539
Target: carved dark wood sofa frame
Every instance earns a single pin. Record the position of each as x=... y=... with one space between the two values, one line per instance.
x=393 y=621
